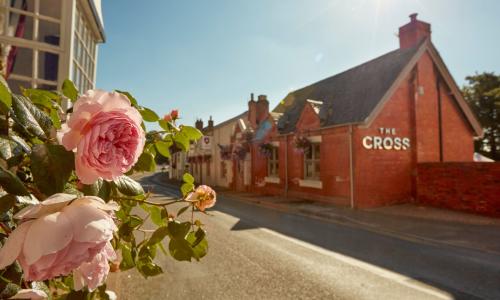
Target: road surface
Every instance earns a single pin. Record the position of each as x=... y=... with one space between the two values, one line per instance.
x=259 y=253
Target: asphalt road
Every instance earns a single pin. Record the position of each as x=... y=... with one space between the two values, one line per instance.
x=258 y=253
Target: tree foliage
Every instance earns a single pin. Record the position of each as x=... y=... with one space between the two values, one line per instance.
x=482 y=92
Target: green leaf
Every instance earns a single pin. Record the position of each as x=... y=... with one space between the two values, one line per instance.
x=182 y=141
x=41 y=286
x=9 y=290
x=101 y=188
x=51 y=166
x=30 y=118
x=148 y=115
x=146 y=162
x=54 y=117
x=128 y=186
x=11 y=183
x=133 y=101
x=159 y=234
x=148 y=268
x=199 y=247
x=7 y=202
x=186 y=188
x=5 y=96
x=180 y=249
x=157 y=215
x=163 y=148
x=69 y=90
x=164 y=124
x=182 y=210
x=191 y=132
x=178 y=230
x=188 y=178
x=127 y=259
x=42 y=97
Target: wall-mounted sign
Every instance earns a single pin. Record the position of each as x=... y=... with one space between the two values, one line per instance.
x=206 y=142
x=387 y=140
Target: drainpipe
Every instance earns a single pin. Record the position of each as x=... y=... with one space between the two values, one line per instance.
x=351 y=167
x=286 y=166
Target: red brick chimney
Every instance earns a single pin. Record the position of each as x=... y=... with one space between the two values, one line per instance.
x=414 y=32
x=252 y=111
x=199 y=124
x=262 y=108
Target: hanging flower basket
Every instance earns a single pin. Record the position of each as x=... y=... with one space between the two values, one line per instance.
x=302 y=144
x=266 y=149
x=225 y=152
x=240 y=151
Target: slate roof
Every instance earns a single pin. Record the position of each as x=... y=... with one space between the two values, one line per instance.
x=350 y=96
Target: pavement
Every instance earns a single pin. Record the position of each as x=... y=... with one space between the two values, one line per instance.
x=406 y=221
x=264 y=252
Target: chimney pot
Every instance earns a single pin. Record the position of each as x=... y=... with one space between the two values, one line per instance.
x=412 y=33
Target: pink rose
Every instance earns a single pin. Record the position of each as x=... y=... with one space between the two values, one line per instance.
x=30 y=294
x=203 y=197
x=175 y=114
x=93 y=274
x=167 y=118
x=106 y=132
x=58 y=235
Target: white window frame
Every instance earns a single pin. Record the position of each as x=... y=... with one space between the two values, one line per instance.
x=273 y=163
x=33 y=44
x=85 y=65
x=315 y=158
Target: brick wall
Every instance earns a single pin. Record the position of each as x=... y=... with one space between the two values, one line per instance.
x=464 y=186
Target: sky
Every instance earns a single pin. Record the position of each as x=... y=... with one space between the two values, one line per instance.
x=206 y=57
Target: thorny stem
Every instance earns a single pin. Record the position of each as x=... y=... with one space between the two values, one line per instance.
x=192 y=217
x=149 y=202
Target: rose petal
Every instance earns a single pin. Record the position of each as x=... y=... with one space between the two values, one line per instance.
x=89 y=223
x=97 y=203
x=50 y=205
x=47 y=235
x=30 y=294
x=12 y=247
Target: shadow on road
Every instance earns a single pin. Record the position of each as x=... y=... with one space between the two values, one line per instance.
x=443 y=267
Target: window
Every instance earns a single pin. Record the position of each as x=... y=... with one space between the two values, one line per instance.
x=30 y=33
x=84 y=48
x=312 y=162
x=273 y=163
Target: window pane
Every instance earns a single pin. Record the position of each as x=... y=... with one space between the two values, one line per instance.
x=74 y=72
x=309 y=152
x=15 y=84
x=48 y=32
x=317 y=168
x=48 y=65
x=22 y=61
x=51 y=8
x=20 y=26
x=308 y=171
x=29 y=5
x=316 y=149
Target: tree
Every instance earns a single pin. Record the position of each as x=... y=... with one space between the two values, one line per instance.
x=483 y=95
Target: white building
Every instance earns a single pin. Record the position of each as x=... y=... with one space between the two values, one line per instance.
x=44 y=42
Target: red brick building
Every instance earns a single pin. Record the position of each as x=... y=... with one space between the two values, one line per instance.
x=356 y=138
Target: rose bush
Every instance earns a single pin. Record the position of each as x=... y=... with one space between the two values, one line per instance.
x=68 y=208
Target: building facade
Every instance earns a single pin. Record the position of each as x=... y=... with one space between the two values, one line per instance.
x=44 y=42
x=355 y=139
